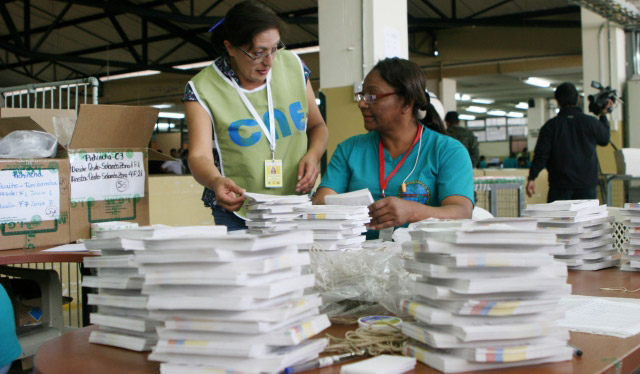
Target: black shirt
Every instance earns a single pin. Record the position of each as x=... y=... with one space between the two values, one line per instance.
x=566 y=146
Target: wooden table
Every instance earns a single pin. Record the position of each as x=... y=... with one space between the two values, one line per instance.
x=72 y=354
x=36 y=255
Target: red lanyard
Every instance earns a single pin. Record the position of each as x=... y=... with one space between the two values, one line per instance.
x=385 y=181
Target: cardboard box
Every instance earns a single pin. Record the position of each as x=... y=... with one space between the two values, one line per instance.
x=628 y=161
x=103 y=171
x=34 y=193
x=108 y=166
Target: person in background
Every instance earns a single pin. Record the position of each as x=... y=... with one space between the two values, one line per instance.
x=523 y=163
x=9 y=346
x=462 y=134
x=566 y=146
x=482 y=164
x=510 y=162
x=412 y=169
x=254 y=83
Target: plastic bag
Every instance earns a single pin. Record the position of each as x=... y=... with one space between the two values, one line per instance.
x=364 y=282
x=28 y=144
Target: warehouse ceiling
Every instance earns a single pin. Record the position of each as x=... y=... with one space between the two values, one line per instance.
x=54 y=40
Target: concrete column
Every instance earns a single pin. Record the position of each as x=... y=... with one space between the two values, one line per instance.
x=603 y=56
x=354 y=35
x=447 y=94
x=536 y=117
x=603 y=60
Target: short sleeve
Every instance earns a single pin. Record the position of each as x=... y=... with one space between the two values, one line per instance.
x=189 y=95
x=455 y=174
x=337 y=175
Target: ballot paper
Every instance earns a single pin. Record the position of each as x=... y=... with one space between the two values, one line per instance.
x=595 y=315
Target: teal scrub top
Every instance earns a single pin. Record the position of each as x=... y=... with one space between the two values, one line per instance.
x=443 y=169
x=9 y=347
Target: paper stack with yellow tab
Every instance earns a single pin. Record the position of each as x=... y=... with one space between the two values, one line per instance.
x=272 y=213
x=631 y=248
x=122 y=309
x=335 y=227
x=233 y=303
x=486 y=297
x=584 y=226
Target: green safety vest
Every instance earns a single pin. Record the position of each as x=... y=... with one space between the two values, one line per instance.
x=242 y=145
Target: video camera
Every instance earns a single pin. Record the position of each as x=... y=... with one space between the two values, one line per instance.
x=599 y=101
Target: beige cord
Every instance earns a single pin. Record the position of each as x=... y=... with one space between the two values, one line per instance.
x=623 y=289
x=375 y=342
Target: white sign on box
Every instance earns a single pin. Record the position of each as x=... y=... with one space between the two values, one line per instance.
x=29 y=195
x=106 y=175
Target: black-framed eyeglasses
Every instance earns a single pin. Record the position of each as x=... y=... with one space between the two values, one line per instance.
x=370 y=98
x=260 y=56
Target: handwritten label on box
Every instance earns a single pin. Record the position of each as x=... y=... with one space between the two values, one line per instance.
x=106 y=175
x=29 y=195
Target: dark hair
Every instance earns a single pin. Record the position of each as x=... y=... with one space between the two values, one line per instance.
x=566 y=94
x=242 y=23
x=409 y=81
x=452 y=118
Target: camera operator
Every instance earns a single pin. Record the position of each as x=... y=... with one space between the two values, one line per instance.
x=566 y=146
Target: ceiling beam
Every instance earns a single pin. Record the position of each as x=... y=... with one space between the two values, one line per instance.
x=125 y=39
x=492 y=7
x=434 y=8
x=75 y=21
x=52 y=26
x=8 y=21
x=423 y=24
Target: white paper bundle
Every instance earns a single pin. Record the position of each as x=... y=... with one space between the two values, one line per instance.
x=583 y=226
x=335 y=227
x=242 y=308
x=486 y=296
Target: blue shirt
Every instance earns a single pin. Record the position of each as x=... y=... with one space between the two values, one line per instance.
x=9 y=346
x=443 y=169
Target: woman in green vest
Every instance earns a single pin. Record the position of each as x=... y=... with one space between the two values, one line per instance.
x=233 y=102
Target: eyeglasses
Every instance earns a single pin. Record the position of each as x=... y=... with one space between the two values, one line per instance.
x=369 y=98
x=260 y=56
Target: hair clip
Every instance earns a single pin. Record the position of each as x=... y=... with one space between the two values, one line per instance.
x=216 y=25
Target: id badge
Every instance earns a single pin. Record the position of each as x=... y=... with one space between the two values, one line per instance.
x=273 y=173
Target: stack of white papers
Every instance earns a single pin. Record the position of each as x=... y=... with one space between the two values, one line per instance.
x=122 y=309
x=335 y=227
x=583 y=226
x=272 y=213
x=232 y=303
x=486 y=296
x=631 y=255
x=383 y=364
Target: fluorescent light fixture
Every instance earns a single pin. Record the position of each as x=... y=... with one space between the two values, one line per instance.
x=135 y=74
x=539 y=82
x=162 y=126
x=195 y=65
x=483 y=101
x=466 y=117
x=162 y=106
x=301 y=51
x=171 y=115
x=462 y=97
x=476 y=109
x=497 y=113
x=515 y=114
x=522 y=105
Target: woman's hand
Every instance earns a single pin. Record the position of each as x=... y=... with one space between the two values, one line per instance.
x=389 y=212
x=307 y=173
x=227 y=194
